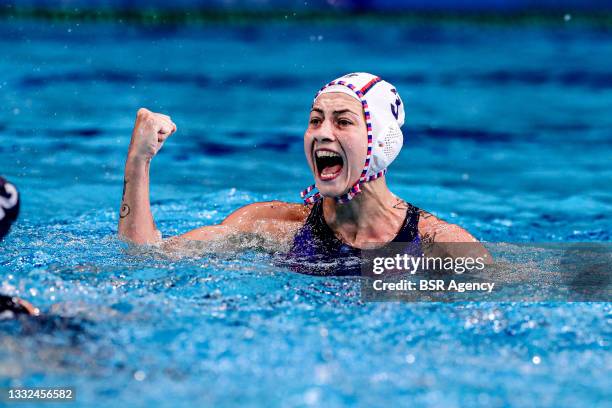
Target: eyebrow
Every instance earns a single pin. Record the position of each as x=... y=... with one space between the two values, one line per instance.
x=336 y=113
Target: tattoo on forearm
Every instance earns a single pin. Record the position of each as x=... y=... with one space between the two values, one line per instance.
x=124 y=211
x=125 y=181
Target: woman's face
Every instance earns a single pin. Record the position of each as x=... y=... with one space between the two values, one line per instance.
x=336 y=142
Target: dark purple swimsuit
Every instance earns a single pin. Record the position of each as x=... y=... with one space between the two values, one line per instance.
x=316 y=249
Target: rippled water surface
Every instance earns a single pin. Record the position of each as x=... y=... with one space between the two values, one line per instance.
x=508 y=134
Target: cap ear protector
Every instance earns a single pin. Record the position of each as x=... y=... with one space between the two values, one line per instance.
x=9 y=206
x=384 y=115
x=387 y=148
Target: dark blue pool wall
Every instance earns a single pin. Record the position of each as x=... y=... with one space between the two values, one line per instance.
x=361 y=5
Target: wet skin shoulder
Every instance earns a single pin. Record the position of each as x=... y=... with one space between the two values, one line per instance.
x=278 y=217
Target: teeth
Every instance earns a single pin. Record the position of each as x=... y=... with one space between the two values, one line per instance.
x=326 y=153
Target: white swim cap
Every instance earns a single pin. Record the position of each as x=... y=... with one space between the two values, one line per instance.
x=384 y=114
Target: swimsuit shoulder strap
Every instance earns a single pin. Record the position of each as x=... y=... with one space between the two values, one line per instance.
x=410 y=228
x=316 y=221
x=315 y=211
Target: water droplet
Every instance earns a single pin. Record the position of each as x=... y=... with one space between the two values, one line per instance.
x=139 y=375
x=312 y=396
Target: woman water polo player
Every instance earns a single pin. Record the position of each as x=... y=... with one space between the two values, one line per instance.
x=352 y=136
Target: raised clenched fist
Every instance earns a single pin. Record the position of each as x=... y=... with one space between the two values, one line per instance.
x=150 y=132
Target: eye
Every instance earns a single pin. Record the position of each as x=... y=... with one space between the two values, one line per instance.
x=344 y=122
x=315 y=121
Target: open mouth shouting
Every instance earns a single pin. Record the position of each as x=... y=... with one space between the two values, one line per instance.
x=328 y=164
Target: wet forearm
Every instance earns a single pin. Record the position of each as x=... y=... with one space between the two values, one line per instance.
x=135 y=219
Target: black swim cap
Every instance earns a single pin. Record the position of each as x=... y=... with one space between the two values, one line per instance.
x=12 y=305
x=9 y=206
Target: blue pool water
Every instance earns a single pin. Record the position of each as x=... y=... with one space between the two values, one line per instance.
x=508 y=134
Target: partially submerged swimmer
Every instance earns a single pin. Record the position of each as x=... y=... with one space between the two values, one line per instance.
x=11 y=306
x=353 y=135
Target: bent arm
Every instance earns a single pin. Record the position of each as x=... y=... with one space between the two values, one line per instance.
x=273 y=219
x=136 y=222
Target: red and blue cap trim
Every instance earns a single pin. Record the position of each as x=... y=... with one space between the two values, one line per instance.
x=356 y=189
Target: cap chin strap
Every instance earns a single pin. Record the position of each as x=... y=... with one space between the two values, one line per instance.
x=364 y=178
x=344 y=198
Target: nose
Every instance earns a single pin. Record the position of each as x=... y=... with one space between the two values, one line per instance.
x=325 y=133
